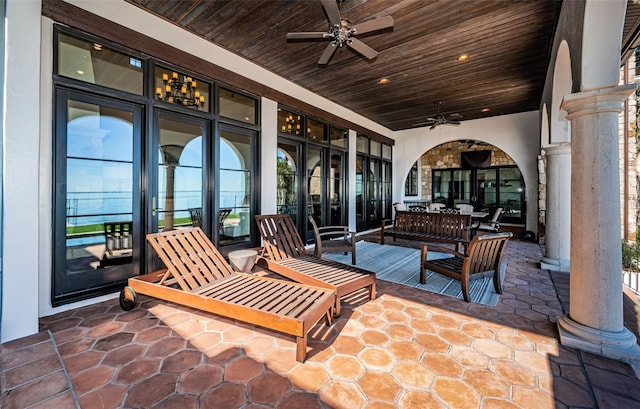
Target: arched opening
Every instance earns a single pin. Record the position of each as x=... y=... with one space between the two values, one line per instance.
x=472 y=172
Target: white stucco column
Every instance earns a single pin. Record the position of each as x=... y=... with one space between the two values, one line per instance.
x=558 y=215
x=268 y=157
x=595 y=320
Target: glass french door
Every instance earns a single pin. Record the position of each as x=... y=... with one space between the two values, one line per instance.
x=316 y=190
x=235 y=218
x=288 y=169
x=177 y=182
x=97 y=201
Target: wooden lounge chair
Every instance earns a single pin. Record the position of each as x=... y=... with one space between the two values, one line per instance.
x=333 y=239
x=483 y=256
x=285 y=254
x=199 y=277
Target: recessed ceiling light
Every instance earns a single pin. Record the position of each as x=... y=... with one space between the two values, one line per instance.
x=80 y=72
x=485 y=110
x=384 y=80
x=463 y=57
x=97 y=47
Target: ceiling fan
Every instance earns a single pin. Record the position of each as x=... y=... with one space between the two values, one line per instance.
x=341 y=32
x=440 y=119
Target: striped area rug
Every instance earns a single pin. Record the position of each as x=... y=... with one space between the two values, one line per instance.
x=402 y=265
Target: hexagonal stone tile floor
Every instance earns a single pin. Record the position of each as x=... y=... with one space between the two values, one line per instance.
x=406 y=349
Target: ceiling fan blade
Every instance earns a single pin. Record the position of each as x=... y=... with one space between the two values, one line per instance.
x=427 y=121
x=307 y=35
x=333 y=13
x=327 y=54
x=374 y=25
x=362 y=48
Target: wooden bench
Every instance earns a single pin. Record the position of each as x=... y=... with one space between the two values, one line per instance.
x=424 y=226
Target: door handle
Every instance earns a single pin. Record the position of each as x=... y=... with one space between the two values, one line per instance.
x=154 y=209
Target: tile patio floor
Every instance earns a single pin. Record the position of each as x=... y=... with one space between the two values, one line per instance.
x=406 y=349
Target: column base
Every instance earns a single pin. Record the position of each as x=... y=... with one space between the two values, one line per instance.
x=621 y=345
x=555 y=264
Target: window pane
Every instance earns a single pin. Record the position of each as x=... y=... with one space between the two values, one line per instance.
x=316 y=131
x=235 y=187
x=97 y=64
x=386 y=151
x=362 y=144
x=411 y=184
x=511 y=193
x=336 y=184
x=339 y=137
x=181 y=89
x=236 y=106
x=314 y=182
x=360 y=163
x=98 y=132
x=290 y=123
x=376 y=149
x=486 y=179
x=179 y=173
x=99 y=188
x=287 y=196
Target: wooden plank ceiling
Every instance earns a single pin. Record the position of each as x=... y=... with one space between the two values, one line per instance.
x=508 y=43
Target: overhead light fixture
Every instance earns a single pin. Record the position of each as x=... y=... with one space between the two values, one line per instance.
x=80 y=72
x=384 y=80
x=485 y=110
x=97 y=47
x=180 y=90
x=463 y=57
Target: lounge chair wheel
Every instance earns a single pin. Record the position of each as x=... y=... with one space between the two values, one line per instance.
x=127 y=298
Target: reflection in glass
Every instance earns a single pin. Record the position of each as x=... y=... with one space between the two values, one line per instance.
x=287 y=195
x=179 y=173
x=336 y=187
x=316 y=131
x=461 y=186
x=97 y=64
x=376 y=148
x=487 y=189
x=441 y=185
x=234 y=219
x=315 y=191
x=99 y=187
x=362 y=144
x=511 y=192
x=181 y=89
x=290 y=123
x=339 y=137
x=359 y=193
x=237 y=106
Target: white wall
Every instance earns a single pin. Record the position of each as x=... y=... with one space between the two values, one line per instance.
x=21 y=118
x=518 y=135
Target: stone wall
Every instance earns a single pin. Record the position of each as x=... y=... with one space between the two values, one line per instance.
x=447 y=156
x=632 y=164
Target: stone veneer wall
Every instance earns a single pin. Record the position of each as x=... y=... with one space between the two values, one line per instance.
x=633 y=160
x=542 y=196
x=447 y=156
